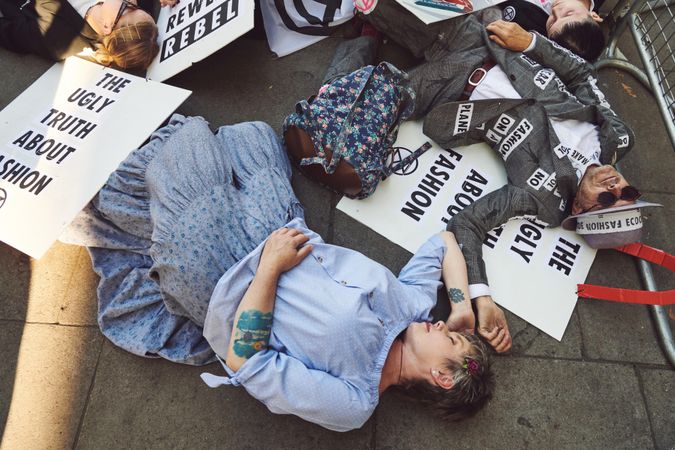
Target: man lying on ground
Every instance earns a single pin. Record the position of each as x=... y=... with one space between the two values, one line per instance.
x=555 y=123
x=571 y=23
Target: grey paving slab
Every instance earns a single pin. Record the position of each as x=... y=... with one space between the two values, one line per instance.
x=243 y=82
x=659 y=391
x=539 y=404
x=658 y=232
x=615 y=331
x=39 y=289
x=79 y=305
x=46 y=372
x=15 y=282
x=142 y=403
x=17 y=72
x=650 y=163
x=529 y=340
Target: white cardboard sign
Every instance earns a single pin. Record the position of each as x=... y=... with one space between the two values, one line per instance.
x=61 y=139
x=194 y=29
x=291 y=25
x=430 y=11
x=533 y=271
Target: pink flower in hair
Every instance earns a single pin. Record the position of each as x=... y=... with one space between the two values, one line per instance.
x=472 y=366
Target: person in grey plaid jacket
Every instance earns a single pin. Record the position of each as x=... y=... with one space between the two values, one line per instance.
x=535 y=86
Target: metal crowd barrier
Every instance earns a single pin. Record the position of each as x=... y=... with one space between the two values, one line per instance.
x=652 y=25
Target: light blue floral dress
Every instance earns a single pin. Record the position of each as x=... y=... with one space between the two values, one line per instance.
x=175 y=215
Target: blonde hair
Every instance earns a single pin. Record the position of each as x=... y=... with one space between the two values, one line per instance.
x=128 y=47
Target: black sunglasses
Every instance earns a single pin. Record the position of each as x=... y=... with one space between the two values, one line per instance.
x=607 y=199
x=125 y=4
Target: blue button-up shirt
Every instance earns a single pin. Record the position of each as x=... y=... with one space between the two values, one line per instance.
x=336 y=316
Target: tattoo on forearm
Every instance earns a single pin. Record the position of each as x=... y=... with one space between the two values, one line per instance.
x=455 y=295
x=252 y=333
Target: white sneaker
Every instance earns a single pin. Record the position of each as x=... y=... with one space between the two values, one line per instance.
x=365 y=6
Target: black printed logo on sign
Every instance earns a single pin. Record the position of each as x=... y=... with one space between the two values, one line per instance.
x=509 y=13
x=397 y=155
x=3 y=197
x=318 y=26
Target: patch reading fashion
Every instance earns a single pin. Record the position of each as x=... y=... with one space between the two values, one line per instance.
x=543 y=78
x=538 y=178
x=463 y=118
x=513 y=140
x=608 y=223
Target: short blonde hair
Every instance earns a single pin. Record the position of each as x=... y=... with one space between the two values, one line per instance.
x=129 y=47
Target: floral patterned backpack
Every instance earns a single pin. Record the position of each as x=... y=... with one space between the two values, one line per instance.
x=350 y=127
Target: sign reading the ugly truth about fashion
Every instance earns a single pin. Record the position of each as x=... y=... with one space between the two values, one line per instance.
x=194 y=29
x=61 y=139
x=533 y=270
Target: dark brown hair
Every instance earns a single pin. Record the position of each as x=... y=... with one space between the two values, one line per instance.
x=583 y=38
x=471 y=389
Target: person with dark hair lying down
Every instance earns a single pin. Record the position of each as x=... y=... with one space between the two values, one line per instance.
x=573 y=24
x=201 y=247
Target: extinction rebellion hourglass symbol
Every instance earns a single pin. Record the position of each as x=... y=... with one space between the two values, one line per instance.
x=3 y=197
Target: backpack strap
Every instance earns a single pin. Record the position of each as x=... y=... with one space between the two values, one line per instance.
x=394 y=166
x=303 y=107
x=642 y=251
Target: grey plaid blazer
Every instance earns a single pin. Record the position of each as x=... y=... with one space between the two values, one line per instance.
x=553 y=83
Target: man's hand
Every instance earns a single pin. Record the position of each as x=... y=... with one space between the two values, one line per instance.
x=282 y=250
x=509 y=35
x=169 y=3
x=492 y=324
x=462 y=320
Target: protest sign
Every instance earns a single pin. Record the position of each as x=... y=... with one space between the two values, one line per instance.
x=291 y=25
x=533 y=270
x=194 y=29
x=61 y=139
x=430 y=11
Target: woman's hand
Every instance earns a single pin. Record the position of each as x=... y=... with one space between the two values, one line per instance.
x=282 y=250
x=492 y=324
x=170 y=3
x=462 y=319
x=509 y=35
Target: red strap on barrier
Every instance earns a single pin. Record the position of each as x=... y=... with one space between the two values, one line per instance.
x=651 y=254
x=626 y=295
x=647 y=253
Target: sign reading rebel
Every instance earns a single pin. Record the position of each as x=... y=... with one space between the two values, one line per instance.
x=62 y=137
x=194 y=29
x=533 y=270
